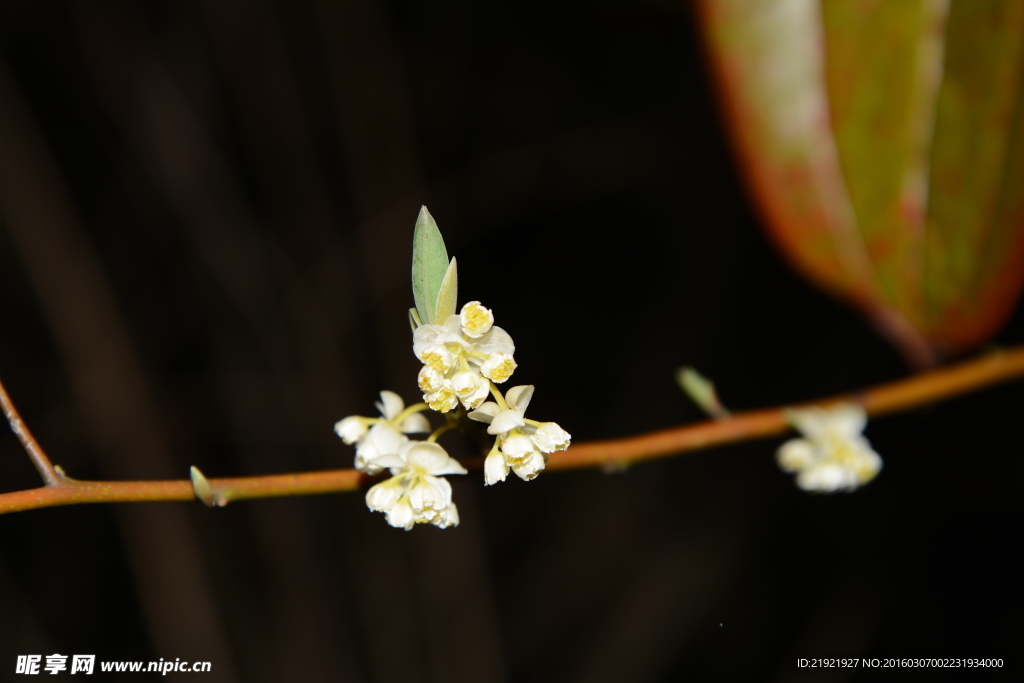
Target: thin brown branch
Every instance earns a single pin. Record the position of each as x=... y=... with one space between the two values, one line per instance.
x=51 y=476
x=922 y=389
x=72 y=491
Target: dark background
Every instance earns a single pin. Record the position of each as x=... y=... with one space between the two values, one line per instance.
x=206 y=212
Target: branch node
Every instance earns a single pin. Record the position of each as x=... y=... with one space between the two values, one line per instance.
x=615 y=466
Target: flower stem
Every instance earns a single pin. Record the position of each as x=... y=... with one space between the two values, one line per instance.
x=921 y=389
x=439 y=431
x=496 y=393
x=411 y=410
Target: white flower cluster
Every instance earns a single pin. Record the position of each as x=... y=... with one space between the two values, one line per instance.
x=415 y=493
x=462 y=357
x=462 y=361
x=376 y=437
x=522 y=444
x=833 y=455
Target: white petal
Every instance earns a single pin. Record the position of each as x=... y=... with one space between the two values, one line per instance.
x=495 y=341
x=401 y=516
x=366 y=450
x=365 y=465
x=351 y=429
x=827 y=477
x=453 y=328
x=430 y=458
x=495 y=468
x=392 y=460
x=424 y=336
x=448 y=517
x=529 y=467
x=430 y=492
x=453 y=467
x=383 y=496
x=384 y=439
x=415 y=424
x=425 y=457
x=518 y=398
x=391 y=405
x=486 y=412
x=517 y=446
x=505 y=421
x=795 y=454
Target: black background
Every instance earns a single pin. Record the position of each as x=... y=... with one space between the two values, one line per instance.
x=206 y=212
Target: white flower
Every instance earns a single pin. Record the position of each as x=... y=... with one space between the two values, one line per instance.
x=475 y=319
x=549 y=438
x=498 y=367
x=522 y=444
x=833 y=455
x=471 y=388
x=529 y=466
x=377 y=437
x=466 y=344
x=430 y=380
x=416 y=493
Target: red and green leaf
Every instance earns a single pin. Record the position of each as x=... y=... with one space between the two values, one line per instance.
x=884 y=144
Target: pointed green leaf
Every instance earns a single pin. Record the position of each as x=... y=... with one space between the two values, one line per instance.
x=429 y=265
x=447 y=297
x=414 y=319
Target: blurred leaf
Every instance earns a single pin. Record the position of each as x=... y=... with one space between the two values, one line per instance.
x=429 y=265
x=701 y=391
x=884 y=144
x=448 y=295
x=201 y=487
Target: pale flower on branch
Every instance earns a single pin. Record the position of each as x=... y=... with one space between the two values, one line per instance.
x=832 y=455
x=522 y=444
x=416 y=493
x=460 y=356
x=383 y=436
